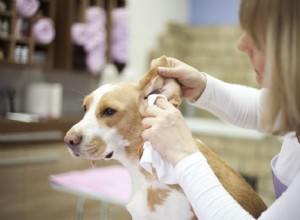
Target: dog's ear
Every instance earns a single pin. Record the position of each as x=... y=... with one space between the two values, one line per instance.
x=153 y=83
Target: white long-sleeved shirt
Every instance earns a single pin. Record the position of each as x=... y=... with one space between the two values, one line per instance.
x=241 y=106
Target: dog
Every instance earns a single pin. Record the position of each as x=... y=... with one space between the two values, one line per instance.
x=111 y=128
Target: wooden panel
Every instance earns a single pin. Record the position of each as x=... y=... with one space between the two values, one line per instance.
x=63 y=44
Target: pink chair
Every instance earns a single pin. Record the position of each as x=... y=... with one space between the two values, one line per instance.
x=110 y=184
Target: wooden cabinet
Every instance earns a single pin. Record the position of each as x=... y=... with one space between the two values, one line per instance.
x=69 y=56
x=62 y=53
x=17 y=43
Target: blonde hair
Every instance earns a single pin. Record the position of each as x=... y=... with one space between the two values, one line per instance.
x=274 y=26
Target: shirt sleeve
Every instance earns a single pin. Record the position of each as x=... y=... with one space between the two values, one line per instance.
x=236 y=104
x=288 y=162
x=211 y=201
x=204 y=191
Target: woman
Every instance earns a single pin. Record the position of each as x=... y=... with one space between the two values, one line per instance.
x=271 y=39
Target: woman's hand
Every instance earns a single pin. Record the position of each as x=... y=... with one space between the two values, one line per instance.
x=167 y=132
x=191 y=80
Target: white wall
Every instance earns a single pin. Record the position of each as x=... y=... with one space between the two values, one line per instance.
x=214 y=12
x=148 y=19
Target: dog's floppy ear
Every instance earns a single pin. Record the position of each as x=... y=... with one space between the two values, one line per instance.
x=153 y=83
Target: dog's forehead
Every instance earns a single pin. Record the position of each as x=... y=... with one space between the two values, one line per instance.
x=102 y=90
x=112 y=91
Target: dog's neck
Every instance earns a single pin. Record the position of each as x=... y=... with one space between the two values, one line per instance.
x=130 y=159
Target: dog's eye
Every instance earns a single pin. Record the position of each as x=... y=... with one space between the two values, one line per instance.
x=108 y=112
x=84 y=108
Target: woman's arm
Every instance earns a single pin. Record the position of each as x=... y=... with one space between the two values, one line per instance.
x=236 y=104
x=206 y=194
x=211 y=201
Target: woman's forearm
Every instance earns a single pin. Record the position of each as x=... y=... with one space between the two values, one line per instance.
x=206 y=194
x=236 y=104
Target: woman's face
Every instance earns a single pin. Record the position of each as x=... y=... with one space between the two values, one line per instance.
x=257 y=57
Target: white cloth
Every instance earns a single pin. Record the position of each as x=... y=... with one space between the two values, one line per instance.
x=152 y=159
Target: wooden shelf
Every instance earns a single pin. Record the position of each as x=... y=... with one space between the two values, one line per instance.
x=7 y=13
x=12 y=42
x=61 y=54
x=23 y=40
x=13 y=64
x=7 y=38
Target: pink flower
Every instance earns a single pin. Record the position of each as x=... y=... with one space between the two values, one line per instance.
x=27 y=8
x=43 y=31
x=95 y=61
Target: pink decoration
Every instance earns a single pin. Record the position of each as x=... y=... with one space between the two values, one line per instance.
x=112 y=182
x=120 y=35
x=95 y=15
x=43 y=31
x=95 y=61
x=27 y=8
x=120 y=16
x=92 y=36
x=78 y=31
x=94 y=39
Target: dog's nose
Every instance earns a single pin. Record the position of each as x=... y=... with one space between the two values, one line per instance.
x=72 y=140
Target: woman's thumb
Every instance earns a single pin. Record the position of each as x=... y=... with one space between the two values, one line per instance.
x=167 y=72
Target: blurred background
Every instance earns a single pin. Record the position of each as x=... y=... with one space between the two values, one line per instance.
x=53 y=53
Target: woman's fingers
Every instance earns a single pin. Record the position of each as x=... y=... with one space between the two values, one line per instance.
x=153 y=111
x=163 y=104
x=169 y=72
x=147 y=122
x=146 y=135
x=157 y=109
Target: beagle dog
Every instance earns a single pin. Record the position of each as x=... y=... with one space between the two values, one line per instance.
x=111 y=129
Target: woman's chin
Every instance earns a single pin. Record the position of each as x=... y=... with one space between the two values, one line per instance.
x=259 y=78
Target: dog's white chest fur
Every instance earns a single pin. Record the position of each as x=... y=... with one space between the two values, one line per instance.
x=153 y=200
x=139 y=208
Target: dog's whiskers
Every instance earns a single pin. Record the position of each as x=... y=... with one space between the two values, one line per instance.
x=93 y=152
x=80 y=100
x=93 y=163
x=79 y=92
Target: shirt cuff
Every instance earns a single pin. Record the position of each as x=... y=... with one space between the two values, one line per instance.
x=206 y=94
x=188 y=161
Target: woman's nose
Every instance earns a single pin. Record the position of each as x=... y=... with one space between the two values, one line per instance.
x=242 y=43
x=245 y=44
